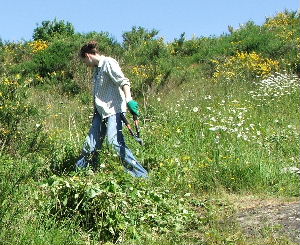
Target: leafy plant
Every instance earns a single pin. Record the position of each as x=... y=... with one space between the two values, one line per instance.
x=50 y=29
x=115 y=207
x=137 y=36
x=13 y=109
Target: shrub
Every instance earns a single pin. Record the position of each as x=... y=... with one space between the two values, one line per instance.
x=56 y=62
x=283 y=25
x=141 y=48
x=244 y=66
x=148 y=57
x=50 y=29
x=137 y=36
x=202 y=49
x=53 y=59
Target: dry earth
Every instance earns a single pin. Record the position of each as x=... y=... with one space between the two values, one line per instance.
x=281 y=216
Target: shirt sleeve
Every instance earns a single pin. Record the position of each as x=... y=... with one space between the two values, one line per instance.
x=114 y=71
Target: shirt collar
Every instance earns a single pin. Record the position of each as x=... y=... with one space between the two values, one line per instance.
x=101 y=60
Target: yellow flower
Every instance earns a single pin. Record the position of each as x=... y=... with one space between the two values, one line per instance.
x=245 y=63
x=178 y=130
x=186 y=158
x=280 y=20
x=38 y=45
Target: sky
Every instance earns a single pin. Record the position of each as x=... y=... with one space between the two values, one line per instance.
x=197 y=18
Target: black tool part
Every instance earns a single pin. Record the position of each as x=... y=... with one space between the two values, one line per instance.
x=136 y=136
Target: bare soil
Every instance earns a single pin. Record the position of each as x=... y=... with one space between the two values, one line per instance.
x=281 y=216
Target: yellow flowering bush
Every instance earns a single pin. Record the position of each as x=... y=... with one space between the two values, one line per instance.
x=141 y=71
x=280 y=20
x=282 y=25
x=38 y=45
x=244 y=66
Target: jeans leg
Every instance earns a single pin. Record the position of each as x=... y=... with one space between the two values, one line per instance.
x=116 y=139
x=93 y=142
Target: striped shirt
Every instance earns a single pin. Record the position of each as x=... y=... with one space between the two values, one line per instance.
x=108 y=80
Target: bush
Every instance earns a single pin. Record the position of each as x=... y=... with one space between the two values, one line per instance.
x=137 y=36
x=142 y=47
x=149 y=59
x=251 y=37
x=50 y=29
x=55 y=58
x=244 y=66
x=56 y=62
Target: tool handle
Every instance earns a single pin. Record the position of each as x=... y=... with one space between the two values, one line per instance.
x=136 y=124
x=127 y=124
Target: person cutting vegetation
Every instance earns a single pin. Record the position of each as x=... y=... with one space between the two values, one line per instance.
x=112 y=96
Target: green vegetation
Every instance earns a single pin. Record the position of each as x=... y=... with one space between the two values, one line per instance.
x=220 y=118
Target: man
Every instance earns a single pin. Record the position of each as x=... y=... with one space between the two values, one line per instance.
x=112 y=95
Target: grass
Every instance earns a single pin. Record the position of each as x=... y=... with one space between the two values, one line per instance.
x=183 y=151
x=210 y=146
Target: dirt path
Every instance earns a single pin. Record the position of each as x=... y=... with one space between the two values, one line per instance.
x=283 y=217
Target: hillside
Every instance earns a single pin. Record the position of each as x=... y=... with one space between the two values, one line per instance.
x=220 y=122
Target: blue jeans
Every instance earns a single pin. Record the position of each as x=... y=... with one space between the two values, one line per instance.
x=112 y=128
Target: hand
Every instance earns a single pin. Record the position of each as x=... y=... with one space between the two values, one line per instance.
x=133 y=107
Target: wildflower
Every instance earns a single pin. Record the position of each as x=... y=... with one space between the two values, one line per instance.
x=217 y=139
x=275 y=87
x=214 y=128
x=213 y=119
x=239 y=124
x=195 y=109
x=186 y=158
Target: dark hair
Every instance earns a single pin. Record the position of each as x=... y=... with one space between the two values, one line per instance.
x=89 y=48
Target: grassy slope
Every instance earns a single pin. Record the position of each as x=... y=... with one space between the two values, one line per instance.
x=211 y=143
x=183 y=155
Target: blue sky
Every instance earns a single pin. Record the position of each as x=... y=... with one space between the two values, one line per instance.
x=19 y=18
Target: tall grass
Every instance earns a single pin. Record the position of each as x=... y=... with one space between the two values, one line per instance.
x=219 y=115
